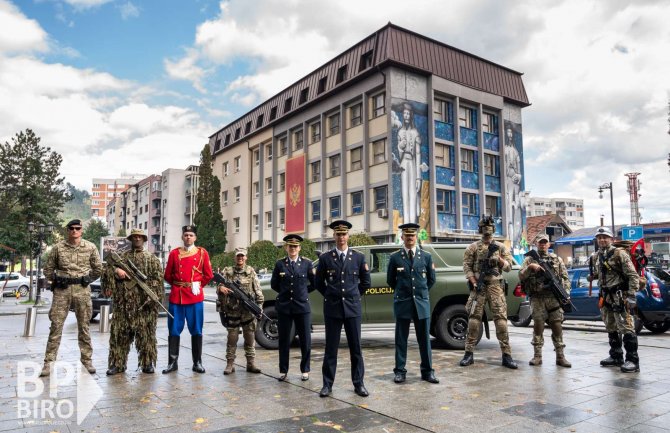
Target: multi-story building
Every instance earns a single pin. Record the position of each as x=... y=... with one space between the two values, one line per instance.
x=141 y=208
x=179 y=191
x=114 y=214
x=106 y=189
x=398 y=128
x=570 y=209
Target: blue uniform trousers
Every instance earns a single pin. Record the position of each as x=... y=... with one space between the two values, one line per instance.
x=302 y=328
x=193 y=315
x=352 y=329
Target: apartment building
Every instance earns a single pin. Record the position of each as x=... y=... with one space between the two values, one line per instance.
x=106 y=189
x=179 y=191
x=570 y=209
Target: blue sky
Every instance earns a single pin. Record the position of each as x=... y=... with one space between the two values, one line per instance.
x=138 y=86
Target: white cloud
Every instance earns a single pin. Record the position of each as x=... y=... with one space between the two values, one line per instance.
x=19 y=34
x=85 y=4
x=187 y=69
x=129 y=10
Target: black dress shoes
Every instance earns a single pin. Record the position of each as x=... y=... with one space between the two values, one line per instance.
x=468 y=359
x=430 y=378
x=399 y=378
x=325 y=392
x=360 y=390
x=508 y=362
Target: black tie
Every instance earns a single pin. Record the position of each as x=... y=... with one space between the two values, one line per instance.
x=292 y=266
x=342 y=257
x=411 y=256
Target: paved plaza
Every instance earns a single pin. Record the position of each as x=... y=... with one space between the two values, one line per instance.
x=483 y=397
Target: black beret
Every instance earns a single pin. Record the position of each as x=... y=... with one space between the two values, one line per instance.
x=74 y=222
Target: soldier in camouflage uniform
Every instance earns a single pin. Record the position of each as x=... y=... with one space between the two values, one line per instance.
x=71 y=266
x=233 y=314
x=135 y=313
x=612 y=266
x=544 y=304
x=493 y=292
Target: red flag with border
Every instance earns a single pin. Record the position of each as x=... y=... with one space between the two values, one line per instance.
x=295 y=195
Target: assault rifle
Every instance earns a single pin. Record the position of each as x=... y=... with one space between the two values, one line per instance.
x=115 y=260
x=485 y=270
x=242 y=296
x=551 y=282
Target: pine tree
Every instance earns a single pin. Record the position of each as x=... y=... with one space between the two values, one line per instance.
x=208 y=217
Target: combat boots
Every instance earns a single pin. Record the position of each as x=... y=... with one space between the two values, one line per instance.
x=560 y=359
x=88 y=365
x=230 y=367
x=557 y=337
x=46 y=370
x=616 y=353
x=508 y=362
x=537 y=357
x=468 y=359
x=251 y=367
x=632 y=363
x=173 y=354
x=196 y=351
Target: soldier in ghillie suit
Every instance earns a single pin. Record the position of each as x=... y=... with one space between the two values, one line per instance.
x=135 y=313
x=233 y=313
x=72 y=265
x=493 y=291
x=619 y=282
x=544 y=304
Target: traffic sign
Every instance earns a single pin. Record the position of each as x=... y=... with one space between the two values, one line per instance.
x=632 y=233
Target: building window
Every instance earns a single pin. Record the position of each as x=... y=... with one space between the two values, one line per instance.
x=303 y=95
x=225 y=226
x=316 y=210
x=268 y=185
x=322 y=85
x=492 y=206
x=268 y=220
x=334 y=162
x=445 y=200
x=287 y=105
x=315 y=169
x=273 y=113
x=379 y=151
x=227 y=141
x=378 y=107
x=315 y=129
x=257 y=156
x=465 y=117
x=356 y=156
x=334 y=124
x=237 y=163
x=366 y=61
x=283 y=146
x=355 y=115
x=256 y=188
x=224 y=198
x=282 y=216
x=268 y=148
x=381 y=195
x=441 y=110
x=259 y=121
x=443 y=155
x=490 y=165
x=341 y=74
x=469 y=204
x=237 y=134
x=489 y=123
x=357 y=203
x=467 y=160
x=237 y=193
x=282 y=182
x=254 y=221
x=247 y=128
x=236 y=223
x=225 y=169
x=334 y=207
x=298 y=140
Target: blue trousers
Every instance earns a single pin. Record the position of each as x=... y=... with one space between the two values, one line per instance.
x=192 y=313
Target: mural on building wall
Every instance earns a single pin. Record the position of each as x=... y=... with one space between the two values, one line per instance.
x=410 y=164
x=515 y=197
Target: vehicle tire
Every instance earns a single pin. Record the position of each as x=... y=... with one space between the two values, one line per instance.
x=451 y=327
x=523 y=322
x=638 y=323
x=267 y=331
x=657 y=327
x=23 y=291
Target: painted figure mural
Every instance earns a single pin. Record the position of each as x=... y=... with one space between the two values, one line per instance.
x=514 y=184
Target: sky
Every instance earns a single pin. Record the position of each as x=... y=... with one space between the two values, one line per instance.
x=120 y=86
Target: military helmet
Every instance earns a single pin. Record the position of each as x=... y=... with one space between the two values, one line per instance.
x=486 y=221
x=603 y=231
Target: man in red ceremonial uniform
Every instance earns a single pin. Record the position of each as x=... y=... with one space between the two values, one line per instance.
x=188 y=270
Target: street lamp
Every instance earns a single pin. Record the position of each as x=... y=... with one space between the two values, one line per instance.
x=41 y=232
x=601 y=188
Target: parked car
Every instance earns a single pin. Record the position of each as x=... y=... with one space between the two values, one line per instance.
x=14 y=282
x=449 y=319
x=653 y=307
x=98 y=299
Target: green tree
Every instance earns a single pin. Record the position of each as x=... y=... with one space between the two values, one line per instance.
x=122 y=232
x=31 y=188
x=263 y=255
x=222 y=260
x=94 y=231
x=79 y=205
x=308 y=249
x=359 y=239
x=208 y=217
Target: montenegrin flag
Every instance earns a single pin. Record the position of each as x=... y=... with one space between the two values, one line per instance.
x=295 y=195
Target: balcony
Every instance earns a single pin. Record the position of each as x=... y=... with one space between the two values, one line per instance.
x=155 y=230
x=187 y=211
x=156 y=195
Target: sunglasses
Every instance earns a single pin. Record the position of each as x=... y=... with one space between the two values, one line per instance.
x=74 y=228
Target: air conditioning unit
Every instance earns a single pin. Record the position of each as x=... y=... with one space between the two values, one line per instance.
x=383 y=213
x=282 y=226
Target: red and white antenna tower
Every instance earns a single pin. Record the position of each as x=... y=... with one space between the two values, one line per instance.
x=633 y=188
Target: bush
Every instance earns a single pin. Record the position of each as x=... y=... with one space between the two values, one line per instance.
x=359 y=239
x=263 y=254
x=222 y=260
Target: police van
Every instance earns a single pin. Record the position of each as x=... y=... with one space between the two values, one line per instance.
x=449 y=319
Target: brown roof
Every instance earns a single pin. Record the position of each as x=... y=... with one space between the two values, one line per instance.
x=390 y=45
x=536 y=225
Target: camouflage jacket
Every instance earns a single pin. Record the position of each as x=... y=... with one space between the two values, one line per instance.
x=248 y=282
x=612 y=267
x=66 y=260
x=533 y=281
x=477 y=252
x=127 y=294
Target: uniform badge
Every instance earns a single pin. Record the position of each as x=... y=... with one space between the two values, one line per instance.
x=281 y=274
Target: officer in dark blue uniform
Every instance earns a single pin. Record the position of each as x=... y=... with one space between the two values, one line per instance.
x=411 y=274
x=342 y=276
x=293 y=279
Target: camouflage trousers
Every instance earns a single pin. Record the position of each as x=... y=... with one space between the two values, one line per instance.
x=248 y=333
x=546 y=309
x=621 y=322
x=493 y=294
x=80 y=298
x=138 y=325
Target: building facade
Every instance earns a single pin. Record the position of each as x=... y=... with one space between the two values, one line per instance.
x=570 y=209
x=106 y=189
x=179 y=190
x=398 y=128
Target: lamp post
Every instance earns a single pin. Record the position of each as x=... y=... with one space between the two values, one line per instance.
x=601 y=188
x=41 y=232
